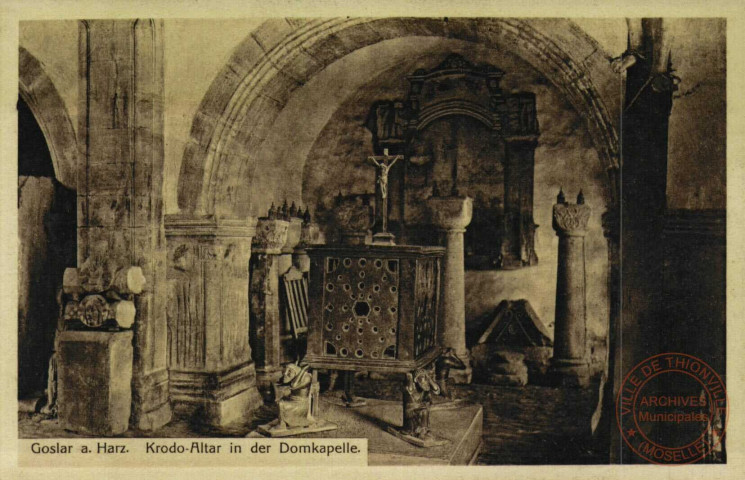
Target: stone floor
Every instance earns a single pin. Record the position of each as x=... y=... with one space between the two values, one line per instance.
x=522 y=425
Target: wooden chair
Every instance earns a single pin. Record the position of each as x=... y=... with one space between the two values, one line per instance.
x=296 y=308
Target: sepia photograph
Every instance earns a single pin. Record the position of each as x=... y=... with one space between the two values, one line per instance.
x=458 y=240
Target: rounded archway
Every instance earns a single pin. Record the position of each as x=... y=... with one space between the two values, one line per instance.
x=237 y=113
x=39 y=93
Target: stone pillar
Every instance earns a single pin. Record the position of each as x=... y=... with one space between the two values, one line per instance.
x=212 y=374
x=569 y=364
x=266 y=322
x=451 y=215
x=120 y=183
x=603 y=423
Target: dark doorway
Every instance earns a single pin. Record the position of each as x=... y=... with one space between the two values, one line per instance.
x=46 y=246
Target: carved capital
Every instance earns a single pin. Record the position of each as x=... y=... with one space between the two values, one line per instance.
x=271 y=235
x=111 y=306
x=451 y=213
x=571 y=219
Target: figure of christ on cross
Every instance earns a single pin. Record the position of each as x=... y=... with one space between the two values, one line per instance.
x=383 y=164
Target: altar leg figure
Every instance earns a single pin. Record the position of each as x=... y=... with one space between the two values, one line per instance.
x=448 y=360
x=297 y=398
x=350 y=400
x=417 y=392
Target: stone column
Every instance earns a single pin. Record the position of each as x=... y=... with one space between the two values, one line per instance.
x=451 y=215
x=212 y=374
x=120 y=183
x=266 y=322
x=569 y=364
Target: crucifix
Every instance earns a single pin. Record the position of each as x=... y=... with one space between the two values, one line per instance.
x=383 y=164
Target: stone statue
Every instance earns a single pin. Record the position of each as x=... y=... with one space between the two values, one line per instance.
x=294 y=397
x=297 y=399
x=444 y=363
x=418 y=390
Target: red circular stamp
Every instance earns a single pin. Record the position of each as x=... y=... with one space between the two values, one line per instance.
x=672 y=410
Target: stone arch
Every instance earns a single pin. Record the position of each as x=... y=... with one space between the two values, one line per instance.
x=40 y=94
x=282 y=55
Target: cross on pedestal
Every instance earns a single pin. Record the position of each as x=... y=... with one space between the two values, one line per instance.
x=383 y=164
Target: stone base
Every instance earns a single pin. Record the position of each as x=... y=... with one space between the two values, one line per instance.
x=569 y=373
x=428 y=442
x=154 y=419
x=216 y=399
x=95 y=381
x=461 y=427
x=344 y=402
x=151 y=402
x=383 y=238
x=273 y=430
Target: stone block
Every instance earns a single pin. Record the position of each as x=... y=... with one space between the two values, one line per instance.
x=509 y=368
x=95 y=381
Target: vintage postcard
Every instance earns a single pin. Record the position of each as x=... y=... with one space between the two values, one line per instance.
x=312 y=236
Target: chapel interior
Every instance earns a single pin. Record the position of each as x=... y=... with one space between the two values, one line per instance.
x=511 y=209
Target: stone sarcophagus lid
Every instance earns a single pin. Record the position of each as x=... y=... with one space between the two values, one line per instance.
x=373 y=308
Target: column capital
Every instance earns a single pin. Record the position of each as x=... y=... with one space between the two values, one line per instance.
x=451 y=213
x=209 y=226
x=271 y=236
x=571 y=219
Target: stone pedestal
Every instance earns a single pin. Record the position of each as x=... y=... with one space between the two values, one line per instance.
x=569 y=365
x=266 y=322
x=95 y=381
x=211 y=371
x=451 y=215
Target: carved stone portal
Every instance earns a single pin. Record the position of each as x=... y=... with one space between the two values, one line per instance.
x=454 y=92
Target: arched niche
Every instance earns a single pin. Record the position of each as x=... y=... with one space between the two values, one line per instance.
x=237 y=113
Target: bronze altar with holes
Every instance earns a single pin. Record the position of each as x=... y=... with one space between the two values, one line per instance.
x=376 y=308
